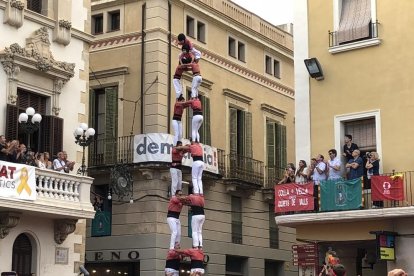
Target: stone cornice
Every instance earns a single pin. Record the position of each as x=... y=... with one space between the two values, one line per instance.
x=237 y=96
x=118 y=71
x=344 y=216
x=273 y=110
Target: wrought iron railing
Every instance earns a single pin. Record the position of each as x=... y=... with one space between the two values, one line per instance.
x=237 y=232
x=373 y=33
x=111 y=151
x=273 y=176
x=246 y=169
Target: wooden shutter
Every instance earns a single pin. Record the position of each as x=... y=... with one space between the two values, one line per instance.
x=51 y=133
x=111 y=120
x=355 y=20
x=206 y=137
x=281 y=154
x=12 y=123
x=248 y=135
x=233 y=130
x=270 y=144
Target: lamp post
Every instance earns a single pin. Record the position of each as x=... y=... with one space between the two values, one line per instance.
x=30 y=122
x=84 y=137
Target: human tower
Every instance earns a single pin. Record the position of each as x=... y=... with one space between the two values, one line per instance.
x=187 y=61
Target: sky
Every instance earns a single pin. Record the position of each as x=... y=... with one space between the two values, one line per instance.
x=276 y=12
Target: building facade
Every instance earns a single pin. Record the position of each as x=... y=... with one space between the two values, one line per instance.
x=44 y=56
x=247 y=95
x=362 y=62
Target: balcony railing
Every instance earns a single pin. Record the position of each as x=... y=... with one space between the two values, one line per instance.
x=373 y=33
x=58 y=195
x=105 y=152
x=246 y=169
x=368 y=203
x=273 y=176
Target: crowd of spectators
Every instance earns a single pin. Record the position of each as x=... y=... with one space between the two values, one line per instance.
x=332 y=168
x=16 y=152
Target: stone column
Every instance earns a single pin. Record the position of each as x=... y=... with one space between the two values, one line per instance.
x=156 y=67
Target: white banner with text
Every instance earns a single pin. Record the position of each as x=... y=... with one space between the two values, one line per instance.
x=17 y=181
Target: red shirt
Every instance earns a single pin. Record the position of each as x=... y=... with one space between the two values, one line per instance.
x=195 y=104
x=196 y=150
x=172 y=255
x=178 y=109
x=196 y=200
x=188 y=42
x=175 y=205
x=194 y=254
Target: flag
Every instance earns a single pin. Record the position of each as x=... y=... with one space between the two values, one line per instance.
x=340 y=194
x=294 y=197
x=387 y=187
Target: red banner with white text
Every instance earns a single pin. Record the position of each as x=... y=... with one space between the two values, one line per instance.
x=294 y=197
x=387 y=187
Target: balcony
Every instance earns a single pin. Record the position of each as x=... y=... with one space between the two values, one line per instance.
x=58 y=195
x=107 y=152
x=370 y=210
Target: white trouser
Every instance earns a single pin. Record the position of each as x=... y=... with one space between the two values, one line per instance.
x=171 y=272
x=195 y=126
x=178 y=88
x=175 y=228
x=197 y=271
x=178 y=131
x=195 y=84
x=196 y=175
x=196 y=53
x=176 y=180
x=197 y=227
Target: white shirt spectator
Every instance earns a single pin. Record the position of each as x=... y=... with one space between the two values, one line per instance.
x=317 y=177
x=301 y=178
x=58 y=164
x=334 y=174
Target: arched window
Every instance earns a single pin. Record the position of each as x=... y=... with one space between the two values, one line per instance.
x=22 y=255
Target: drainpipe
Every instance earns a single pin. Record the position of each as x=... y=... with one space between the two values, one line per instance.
x=169 y=69
x=142 y=64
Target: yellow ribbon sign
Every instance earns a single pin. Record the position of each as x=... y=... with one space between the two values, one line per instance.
x=24 y=177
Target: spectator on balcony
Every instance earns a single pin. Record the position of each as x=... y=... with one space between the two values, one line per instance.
x=31 y=158
x=311 y=168
x=59 y=163
x=334 y=166
x=47 y=162
x=289 y=174
x=319 y=172
x=3 y=148
x=349 y=147
x=372 y=166
x=302 y=172
x=21 y=154
x=69 y=164
x=13 y=151
x=355 y=165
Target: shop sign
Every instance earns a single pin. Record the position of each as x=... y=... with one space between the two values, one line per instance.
x=120 y=255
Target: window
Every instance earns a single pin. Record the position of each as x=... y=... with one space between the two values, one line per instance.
x=48 y=138
x=22 y=255
x=114 y=21
x=275 y=149
x=205 y=133
x=236 y=220
x=272 y=66
x=236 y=266
x=355 y=19
x=196 y=29
x=190 y=26
x=97 y=24
x=363 y=133
x=273 y=229
x=237 y=49
x=240 y=132
x=102 y=222
x=35 y=5
x=273 y=268
x=103 y=118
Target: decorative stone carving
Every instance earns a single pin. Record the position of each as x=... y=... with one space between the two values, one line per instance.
x=64 y=227
x=147 y=173
x=14 y=13
x=36 y=55
x=8 y=220
x=62 y=32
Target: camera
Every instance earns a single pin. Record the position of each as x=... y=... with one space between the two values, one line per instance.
x=368 y=155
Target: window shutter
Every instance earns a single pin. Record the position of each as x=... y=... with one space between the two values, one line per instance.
x=92 y=109
x=278 y=135
x=51 y=133
x=270 y=147
x=57 y=124
x=283 y=148
x=206 y=123
x=111 y=119
x=355 y=20
x=248 y=135
x=233 y=130
x=12 y=117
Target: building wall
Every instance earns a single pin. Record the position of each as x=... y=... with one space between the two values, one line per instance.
x=142 y=225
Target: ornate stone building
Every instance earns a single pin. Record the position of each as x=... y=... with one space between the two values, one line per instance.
x=248 y=106
x=44 y=57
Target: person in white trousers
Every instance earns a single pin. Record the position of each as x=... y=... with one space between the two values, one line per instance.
x=198 y=166
x=176 y=121
x=173 y=219
x=175 y=170
x=197 y=119
x=196 y=202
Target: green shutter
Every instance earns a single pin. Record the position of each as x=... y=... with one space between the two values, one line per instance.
x=283 y=148
x=233 y=130
x=281 y=154
x=206 y=138
x=248 y=141
x=270 y=144
x=111 y=124
x=92 y=109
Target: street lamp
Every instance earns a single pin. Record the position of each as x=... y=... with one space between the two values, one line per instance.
x=30 y=122
x=83 y=136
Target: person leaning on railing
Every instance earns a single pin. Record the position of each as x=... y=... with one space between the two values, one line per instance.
x=372 y=166
x=302 y=172
x=289 y=175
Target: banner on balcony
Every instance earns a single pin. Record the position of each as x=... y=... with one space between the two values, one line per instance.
x=153 y=147
x=17 y=181
x=209 y=158
x=294 y=197
x=340 y=195
x=387 y=187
